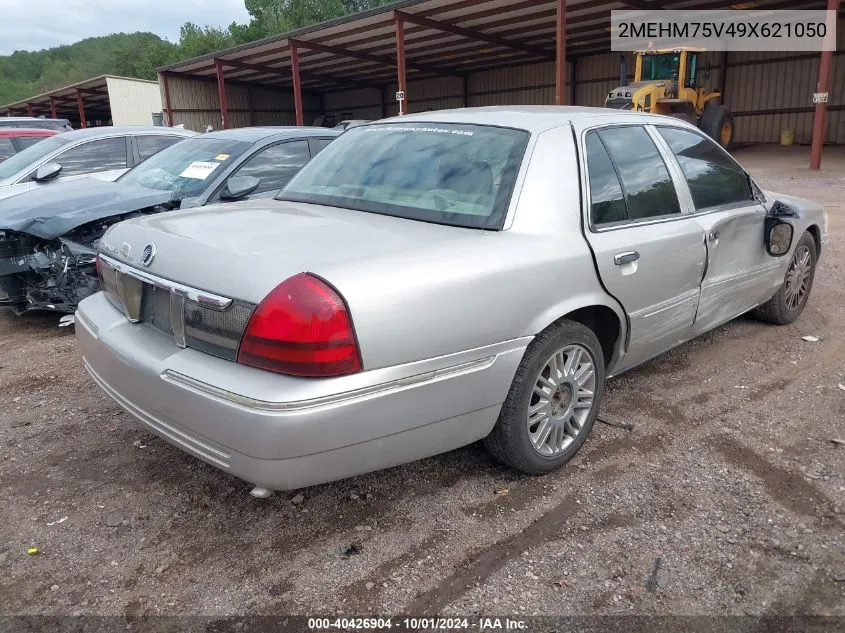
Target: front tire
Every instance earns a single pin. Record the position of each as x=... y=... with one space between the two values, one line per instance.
x=789 y=301
x=718 y=123
x=553 y=401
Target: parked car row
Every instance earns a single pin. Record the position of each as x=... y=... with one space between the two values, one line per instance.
x=58 y=125
x=16 y=139
x=48 y=250
x=105 y=152
x=422 y=283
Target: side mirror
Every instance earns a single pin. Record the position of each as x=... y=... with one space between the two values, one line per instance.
x=239 y=186
x=47 y=171
x=779 y=235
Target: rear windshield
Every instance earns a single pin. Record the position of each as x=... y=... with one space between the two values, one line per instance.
x=461 y=175
x=31 y=156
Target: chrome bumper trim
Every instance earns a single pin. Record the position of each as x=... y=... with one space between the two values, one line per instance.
x=382 y=388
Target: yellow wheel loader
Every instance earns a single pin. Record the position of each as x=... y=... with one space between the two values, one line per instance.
x=672 y=82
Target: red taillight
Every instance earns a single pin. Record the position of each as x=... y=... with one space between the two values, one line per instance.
x=302 y=328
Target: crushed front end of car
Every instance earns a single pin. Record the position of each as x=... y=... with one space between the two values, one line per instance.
x=37 y=274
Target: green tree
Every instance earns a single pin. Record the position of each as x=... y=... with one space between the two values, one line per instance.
x=27 y=73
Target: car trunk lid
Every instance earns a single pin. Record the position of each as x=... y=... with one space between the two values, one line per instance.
x=243 y=251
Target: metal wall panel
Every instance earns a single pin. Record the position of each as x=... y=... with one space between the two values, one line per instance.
x=196 y=104
x=132 y=102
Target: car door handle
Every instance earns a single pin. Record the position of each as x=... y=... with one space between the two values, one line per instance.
x=628 y=257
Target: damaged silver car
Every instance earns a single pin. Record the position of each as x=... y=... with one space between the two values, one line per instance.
x=49 y=237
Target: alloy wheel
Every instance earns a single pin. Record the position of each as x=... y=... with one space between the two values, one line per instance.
x=561 y=400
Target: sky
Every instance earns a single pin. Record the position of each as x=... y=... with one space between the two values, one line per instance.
x=33 y=25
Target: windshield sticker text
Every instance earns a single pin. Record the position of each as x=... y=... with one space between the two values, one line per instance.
x=434 y=130
x=199 y=170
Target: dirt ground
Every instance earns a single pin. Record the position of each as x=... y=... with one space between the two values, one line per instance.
x=729 y=478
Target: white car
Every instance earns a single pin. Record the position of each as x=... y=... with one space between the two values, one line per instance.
x=103 y=152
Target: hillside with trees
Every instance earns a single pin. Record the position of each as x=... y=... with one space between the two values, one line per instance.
x=26 y=73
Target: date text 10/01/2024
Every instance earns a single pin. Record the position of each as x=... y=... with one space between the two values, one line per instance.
x=416 y=624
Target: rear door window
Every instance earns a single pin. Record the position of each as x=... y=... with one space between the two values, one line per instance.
x=714 y=178
x=607 y=201
x=93 y=156
x=149 y=144
x=319 y=144
x=646 y=183
x=7 y=148
x=276 y=165
x=29 y=141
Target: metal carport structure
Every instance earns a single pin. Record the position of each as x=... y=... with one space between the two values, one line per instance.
x=458 y=53
x=104 y=99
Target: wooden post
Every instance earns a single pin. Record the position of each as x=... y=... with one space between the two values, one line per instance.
x=168 y=108
x=823 y=86
x=29 y=109
x=80 y=105
x=400 y=61
x=297 y=85
x=221 y=91
x=53 y=108
x=560 y=54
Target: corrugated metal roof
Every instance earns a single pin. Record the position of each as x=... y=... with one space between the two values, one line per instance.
x=94 y=89
x=442 y=38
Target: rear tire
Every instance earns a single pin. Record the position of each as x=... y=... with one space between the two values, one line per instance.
x=789 y=301
x=553 y=401
x=718 y=123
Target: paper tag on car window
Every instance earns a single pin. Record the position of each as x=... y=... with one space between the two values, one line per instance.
x=221 y=157
x=199 y=170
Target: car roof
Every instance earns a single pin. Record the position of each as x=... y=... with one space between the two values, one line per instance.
x=107 y=131
x=24 y=119
x=26 y=131
x=531 y=118
x=255 y=134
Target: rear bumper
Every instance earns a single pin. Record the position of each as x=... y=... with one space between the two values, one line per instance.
x=282 y=432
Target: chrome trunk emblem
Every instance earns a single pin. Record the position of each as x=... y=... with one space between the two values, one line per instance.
x=148 y=255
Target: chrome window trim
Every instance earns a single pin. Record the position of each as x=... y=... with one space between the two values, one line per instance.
x=208 y=299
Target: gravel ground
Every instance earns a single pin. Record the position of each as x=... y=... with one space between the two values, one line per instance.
x=729 y=479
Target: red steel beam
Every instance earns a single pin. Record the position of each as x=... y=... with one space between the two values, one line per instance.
x=281 y=71
x=297 y=85
x=400 y=60
x=221 y=91
x=367 y=57
x=560 y=54
x=53 y=108
x=168 y=106
x=823 y=86
x=454 y=29
x=80 y=105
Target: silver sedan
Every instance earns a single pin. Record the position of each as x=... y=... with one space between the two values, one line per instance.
x=433 y=280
